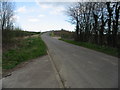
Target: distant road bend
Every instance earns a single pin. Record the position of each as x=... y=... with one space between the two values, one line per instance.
x=81 y=67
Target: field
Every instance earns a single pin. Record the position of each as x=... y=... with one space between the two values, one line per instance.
x=26 y=49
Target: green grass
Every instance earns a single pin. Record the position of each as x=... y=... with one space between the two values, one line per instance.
x=106 y=50
x=28 y=49
x=52 y=34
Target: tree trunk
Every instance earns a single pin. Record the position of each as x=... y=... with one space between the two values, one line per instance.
x=109 y=23
x=115 y=26
x=77 y=31
x=95 y=28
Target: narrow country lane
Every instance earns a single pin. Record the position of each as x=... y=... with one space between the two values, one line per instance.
x=81 y=67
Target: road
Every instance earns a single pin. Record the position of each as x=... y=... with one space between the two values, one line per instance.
x=80 y=67
x=36 y=73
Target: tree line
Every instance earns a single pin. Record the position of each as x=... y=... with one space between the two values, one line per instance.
x=10 y=32
x=96 y=22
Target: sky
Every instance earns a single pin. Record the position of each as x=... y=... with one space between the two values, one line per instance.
x=42 y=16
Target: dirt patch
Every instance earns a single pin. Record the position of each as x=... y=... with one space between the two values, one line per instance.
x=57 y=37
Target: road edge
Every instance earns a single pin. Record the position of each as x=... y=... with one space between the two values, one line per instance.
x=58 y=76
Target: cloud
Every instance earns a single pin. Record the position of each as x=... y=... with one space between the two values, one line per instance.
x=21 y=9
x=33 y=20
x=15 y=17
x=41 y=15
x=45 y=6
x=48 y=5
x=57 y=10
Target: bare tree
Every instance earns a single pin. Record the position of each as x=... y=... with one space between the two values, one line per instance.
x=110 y=10
x=73 y=12
x=115 y=22
x=96 y=22
x=6 y=15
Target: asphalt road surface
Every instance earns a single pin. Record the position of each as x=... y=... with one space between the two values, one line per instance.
x=80 y=67
x=36 y=73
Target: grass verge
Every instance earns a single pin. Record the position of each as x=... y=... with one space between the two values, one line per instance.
x=28 y=48
x=106 y=50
